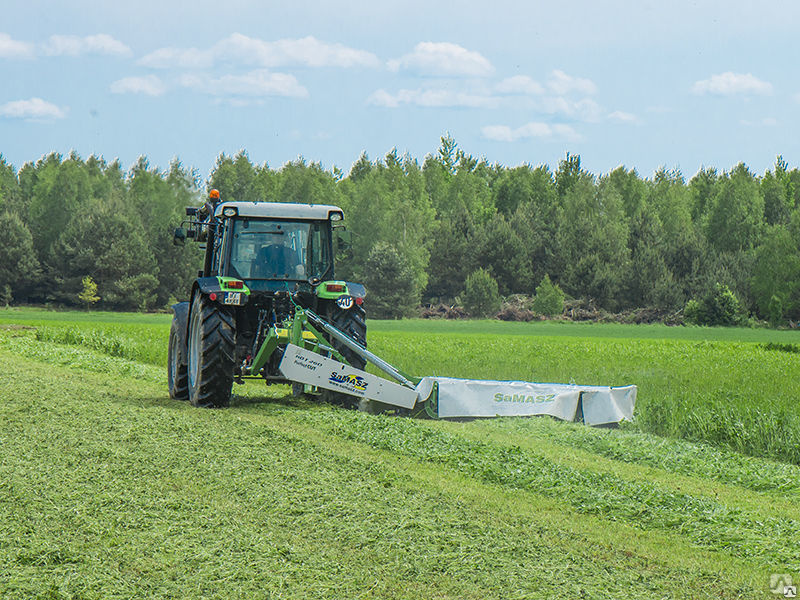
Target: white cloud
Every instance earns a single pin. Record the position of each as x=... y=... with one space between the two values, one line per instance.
x=310 y=52
x=241 y=49
x=623 y=117
x=562 y=84
x=520 y=91
x=73 y=45
x=585 y=109
x=34 y=109
x=11 y=48
x=520 y=84
x=443 y=58
x=385 y=99
x=149 y=85
x=431 y=98
x=765 y=122
x=562 y=95
x=504 y=133
x=254 y=84
x=732 y=84
x=558 y=84
x=180 y=58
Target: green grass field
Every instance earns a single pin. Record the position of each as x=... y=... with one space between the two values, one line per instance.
x=109 y=489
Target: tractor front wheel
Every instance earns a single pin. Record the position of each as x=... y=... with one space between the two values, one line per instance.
x=211 y=352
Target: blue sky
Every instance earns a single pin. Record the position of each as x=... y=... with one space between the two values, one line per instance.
x=641 y=84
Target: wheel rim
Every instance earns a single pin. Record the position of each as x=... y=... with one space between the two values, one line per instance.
x=194 y=345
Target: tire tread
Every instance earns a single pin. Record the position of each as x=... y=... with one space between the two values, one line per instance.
x=217 y=360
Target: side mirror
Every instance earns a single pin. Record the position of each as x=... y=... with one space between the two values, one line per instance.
x=344 y=240
x=179 y=237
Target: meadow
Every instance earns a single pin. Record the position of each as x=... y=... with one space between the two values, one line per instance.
x=109 y=489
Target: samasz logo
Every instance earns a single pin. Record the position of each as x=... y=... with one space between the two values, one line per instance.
x=355 y=381
x=537 y=399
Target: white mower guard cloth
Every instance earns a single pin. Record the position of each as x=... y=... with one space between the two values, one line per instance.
x=593 y=405
x=476 y=398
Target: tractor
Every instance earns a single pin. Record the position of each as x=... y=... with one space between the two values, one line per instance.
x=265 y=263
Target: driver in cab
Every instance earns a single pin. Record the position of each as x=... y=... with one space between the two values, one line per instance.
x=279 y=260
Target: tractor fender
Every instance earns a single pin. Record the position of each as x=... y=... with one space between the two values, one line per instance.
x=213 y=285
x=180 y=316
x=207 y=285
x=357 y=290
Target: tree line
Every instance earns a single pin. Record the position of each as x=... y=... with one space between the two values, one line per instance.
x=420 y=230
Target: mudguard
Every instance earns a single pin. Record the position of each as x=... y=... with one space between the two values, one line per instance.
x=357 y=290
x=221 y=286
x=208 y=284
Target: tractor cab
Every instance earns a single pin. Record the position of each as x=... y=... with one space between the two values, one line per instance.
x=274 y=246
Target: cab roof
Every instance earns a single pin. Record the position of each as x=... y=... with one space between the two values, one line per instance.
x=280 y=210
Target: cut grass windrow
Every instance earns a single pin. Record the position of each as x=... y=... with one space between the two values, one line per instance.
x=27 y=343
x=670 y=455
x=706 y=522
x=138 y=343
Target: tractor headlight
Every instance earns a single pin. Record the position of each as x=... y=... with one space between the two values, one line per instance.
x=335 y=216
x=229 y=211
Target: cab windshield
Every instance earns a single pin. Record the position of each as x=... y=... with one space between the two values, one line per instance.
x=283 y=250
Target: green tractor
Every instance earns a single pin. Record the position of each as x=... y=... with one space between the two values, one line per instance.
x=266 y=265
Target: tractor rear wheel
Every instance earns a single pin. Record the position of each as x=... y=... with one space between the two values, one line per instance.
x=210 y=352
x=353 y=322
x=177 y=371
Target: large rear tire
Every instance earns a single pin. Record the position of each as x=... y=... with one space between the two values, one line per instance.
x=210 y=352
x=177 y=371
x=353 y=322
